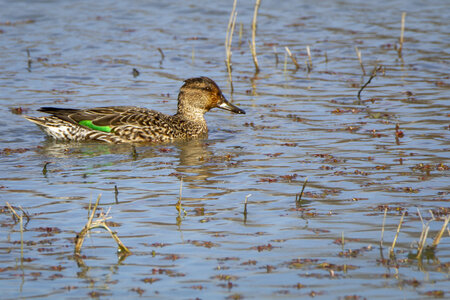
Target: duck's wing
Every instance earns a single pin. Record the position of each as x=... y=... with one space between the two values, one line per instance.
x=106 y=118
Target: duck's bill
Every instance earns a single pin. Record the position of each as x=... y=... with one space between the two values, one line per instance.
x=228 y=106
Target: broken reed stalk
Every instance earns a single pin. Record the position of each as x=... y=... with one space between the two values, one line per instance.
x=298 y=197
x=309 y=64
x=358 y=53
x=245 y=205
x=241 y=31
x=228 y=40
x=375 y=70
x=16 y=216
x=423 y=238
x=382 y=228
x=253 y=44
x=294 y=60
x=402 y=32
x=100 y=223
x=391 y=251
x=437 y=239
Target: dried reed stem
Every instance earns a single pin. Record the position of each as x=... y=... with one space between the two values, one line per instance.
x=228 y=41
x=402 y=32
x=253 y=44
x=15 y=214
x=298 y=197
x=100 y=223
x=391 y=251
x=382 y=227
x=422 y=241
x=437 y=239
x=245 y=205
x=294 y=60
x=358 y=53
x=309 y=65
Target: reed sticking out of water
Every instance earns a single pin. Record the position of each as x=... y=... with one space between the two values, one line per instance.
x=245 y=207
x=402 y=32
x=358 y=53
x=382 y=228
x=228 y=40
x=253 y=44
x=16 y=216
x=375 y=70
x=309 y=64
x=99 y=223
x=437 y=239
x=178 y=206
x=298 y=197
x=391 y=251
x=422 y=240
x=20 y=219
x=245 y=203
x=294 y=60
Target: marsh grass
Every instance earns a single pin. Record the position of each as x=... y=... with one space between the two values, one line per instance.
x=402 y=34
x=294 y=60
x=228 y=42
x=391 y=250
x=359 y=55
x=253 y=43
x=99 y=223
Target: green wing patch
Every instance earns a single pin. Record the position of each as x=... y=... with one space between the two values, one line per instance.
x=88 y=123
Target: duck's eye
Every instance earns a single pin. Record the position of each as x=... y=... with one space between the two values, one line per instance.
x=208 y=89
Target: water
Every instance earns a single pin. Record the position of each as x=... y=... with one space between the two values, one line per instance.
x=298 y=125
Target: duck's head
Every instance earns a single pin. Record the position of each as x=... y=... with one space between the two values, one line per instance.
x=198 y=95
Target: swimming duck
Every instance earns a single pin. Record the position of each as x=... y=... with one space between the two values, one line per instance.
x=130 y=124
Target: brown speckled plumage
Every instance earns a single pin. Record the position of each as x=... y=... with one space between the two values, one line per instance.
x=129 y=124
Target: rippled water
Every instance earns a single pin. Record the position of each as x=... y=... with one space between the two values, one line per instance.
x=298 y=124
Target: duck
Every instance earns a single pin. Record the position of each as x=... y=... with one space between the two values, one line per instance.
x=131 y=124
